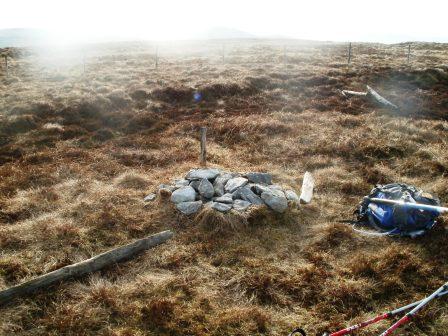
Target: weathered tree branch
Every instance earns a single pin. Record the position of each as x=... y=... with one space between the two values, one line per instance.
x=87 y=266
x=371 y=93
x=348 y=93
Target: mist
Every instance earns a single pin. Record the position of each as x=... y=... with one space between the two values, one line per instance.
x=72 y=22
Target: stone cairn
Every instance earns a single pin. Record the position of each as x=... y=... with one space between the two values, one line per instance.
x=223 y=191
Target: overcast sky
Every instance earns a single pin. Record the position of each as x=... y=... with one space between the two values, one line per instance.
x=342 y=20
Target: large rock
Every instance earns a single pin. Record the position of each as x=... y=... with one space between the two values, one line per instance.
x=218 y=189
x=259 y=188
x=226 y=198
x=221 y=206
x=235 y=183
x=263 y=178
x=188 y=208
x=199 y=174
x=248 y=195
x=291 y=196
x=195 y=184
x=184 y=194
x=220 y=182
x=240 y=205
x=206 y=188
x=275 y=199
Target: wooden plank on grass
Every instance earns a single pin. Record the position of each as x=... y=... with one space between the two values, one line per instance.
x=84 y=267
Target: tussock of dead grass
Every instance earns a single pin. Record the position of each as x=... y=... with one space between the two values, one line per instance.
x=218 y=221
x=132 y=181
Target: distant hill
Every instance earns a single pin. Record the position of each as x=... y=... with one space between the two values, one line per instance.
x=21 y=37
x=225 y=33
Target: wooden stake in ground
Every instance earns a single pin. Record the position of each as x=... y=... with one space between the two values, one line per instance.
x=157 y=57
x=284 y=54
x=84 y=62
x=6 y=65
x=223 y=53
x=409 y=53
x=203 y=157
x=349 y=53
x=84 y=267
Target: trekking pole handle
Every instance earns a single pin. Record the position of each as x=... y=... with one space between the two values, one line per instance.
x=297 y=331
x=419 y=206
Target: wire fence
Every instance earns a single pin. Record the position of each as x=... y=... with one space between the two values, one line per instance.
x=168 y=56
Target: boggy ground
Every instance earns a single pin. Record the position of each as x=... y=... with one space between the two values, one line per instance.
x=79 y=151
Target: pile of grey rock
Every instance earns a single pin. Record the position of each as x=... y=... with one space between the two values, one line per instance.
x=224 y=191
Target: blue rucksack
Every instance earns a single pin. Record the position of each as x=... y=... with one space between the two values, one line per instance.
x=396 y=219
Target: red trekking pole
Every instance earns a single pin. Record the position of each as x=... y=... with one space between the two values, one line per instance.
x=416 y=305
x=411 y=314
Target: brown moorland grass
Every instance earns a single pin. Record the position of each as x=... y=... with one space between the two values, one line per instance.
x=79 y=151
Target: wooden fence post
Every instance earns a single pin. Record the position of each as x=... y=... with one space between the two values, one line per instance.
x=203 y=146
x=6 y=65
x=84 y=62
x=284 y=54
x=349 y=53
x=157 y=57
x=409 y=53
x=223 y=53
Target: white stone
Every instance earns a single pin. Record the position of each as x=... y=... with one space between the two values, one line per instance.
x=306 y=193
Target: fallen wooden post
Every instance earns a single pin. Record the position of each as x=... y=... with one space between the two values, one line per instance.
x=348 y=93
x=371 y=93
x=84 y=267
